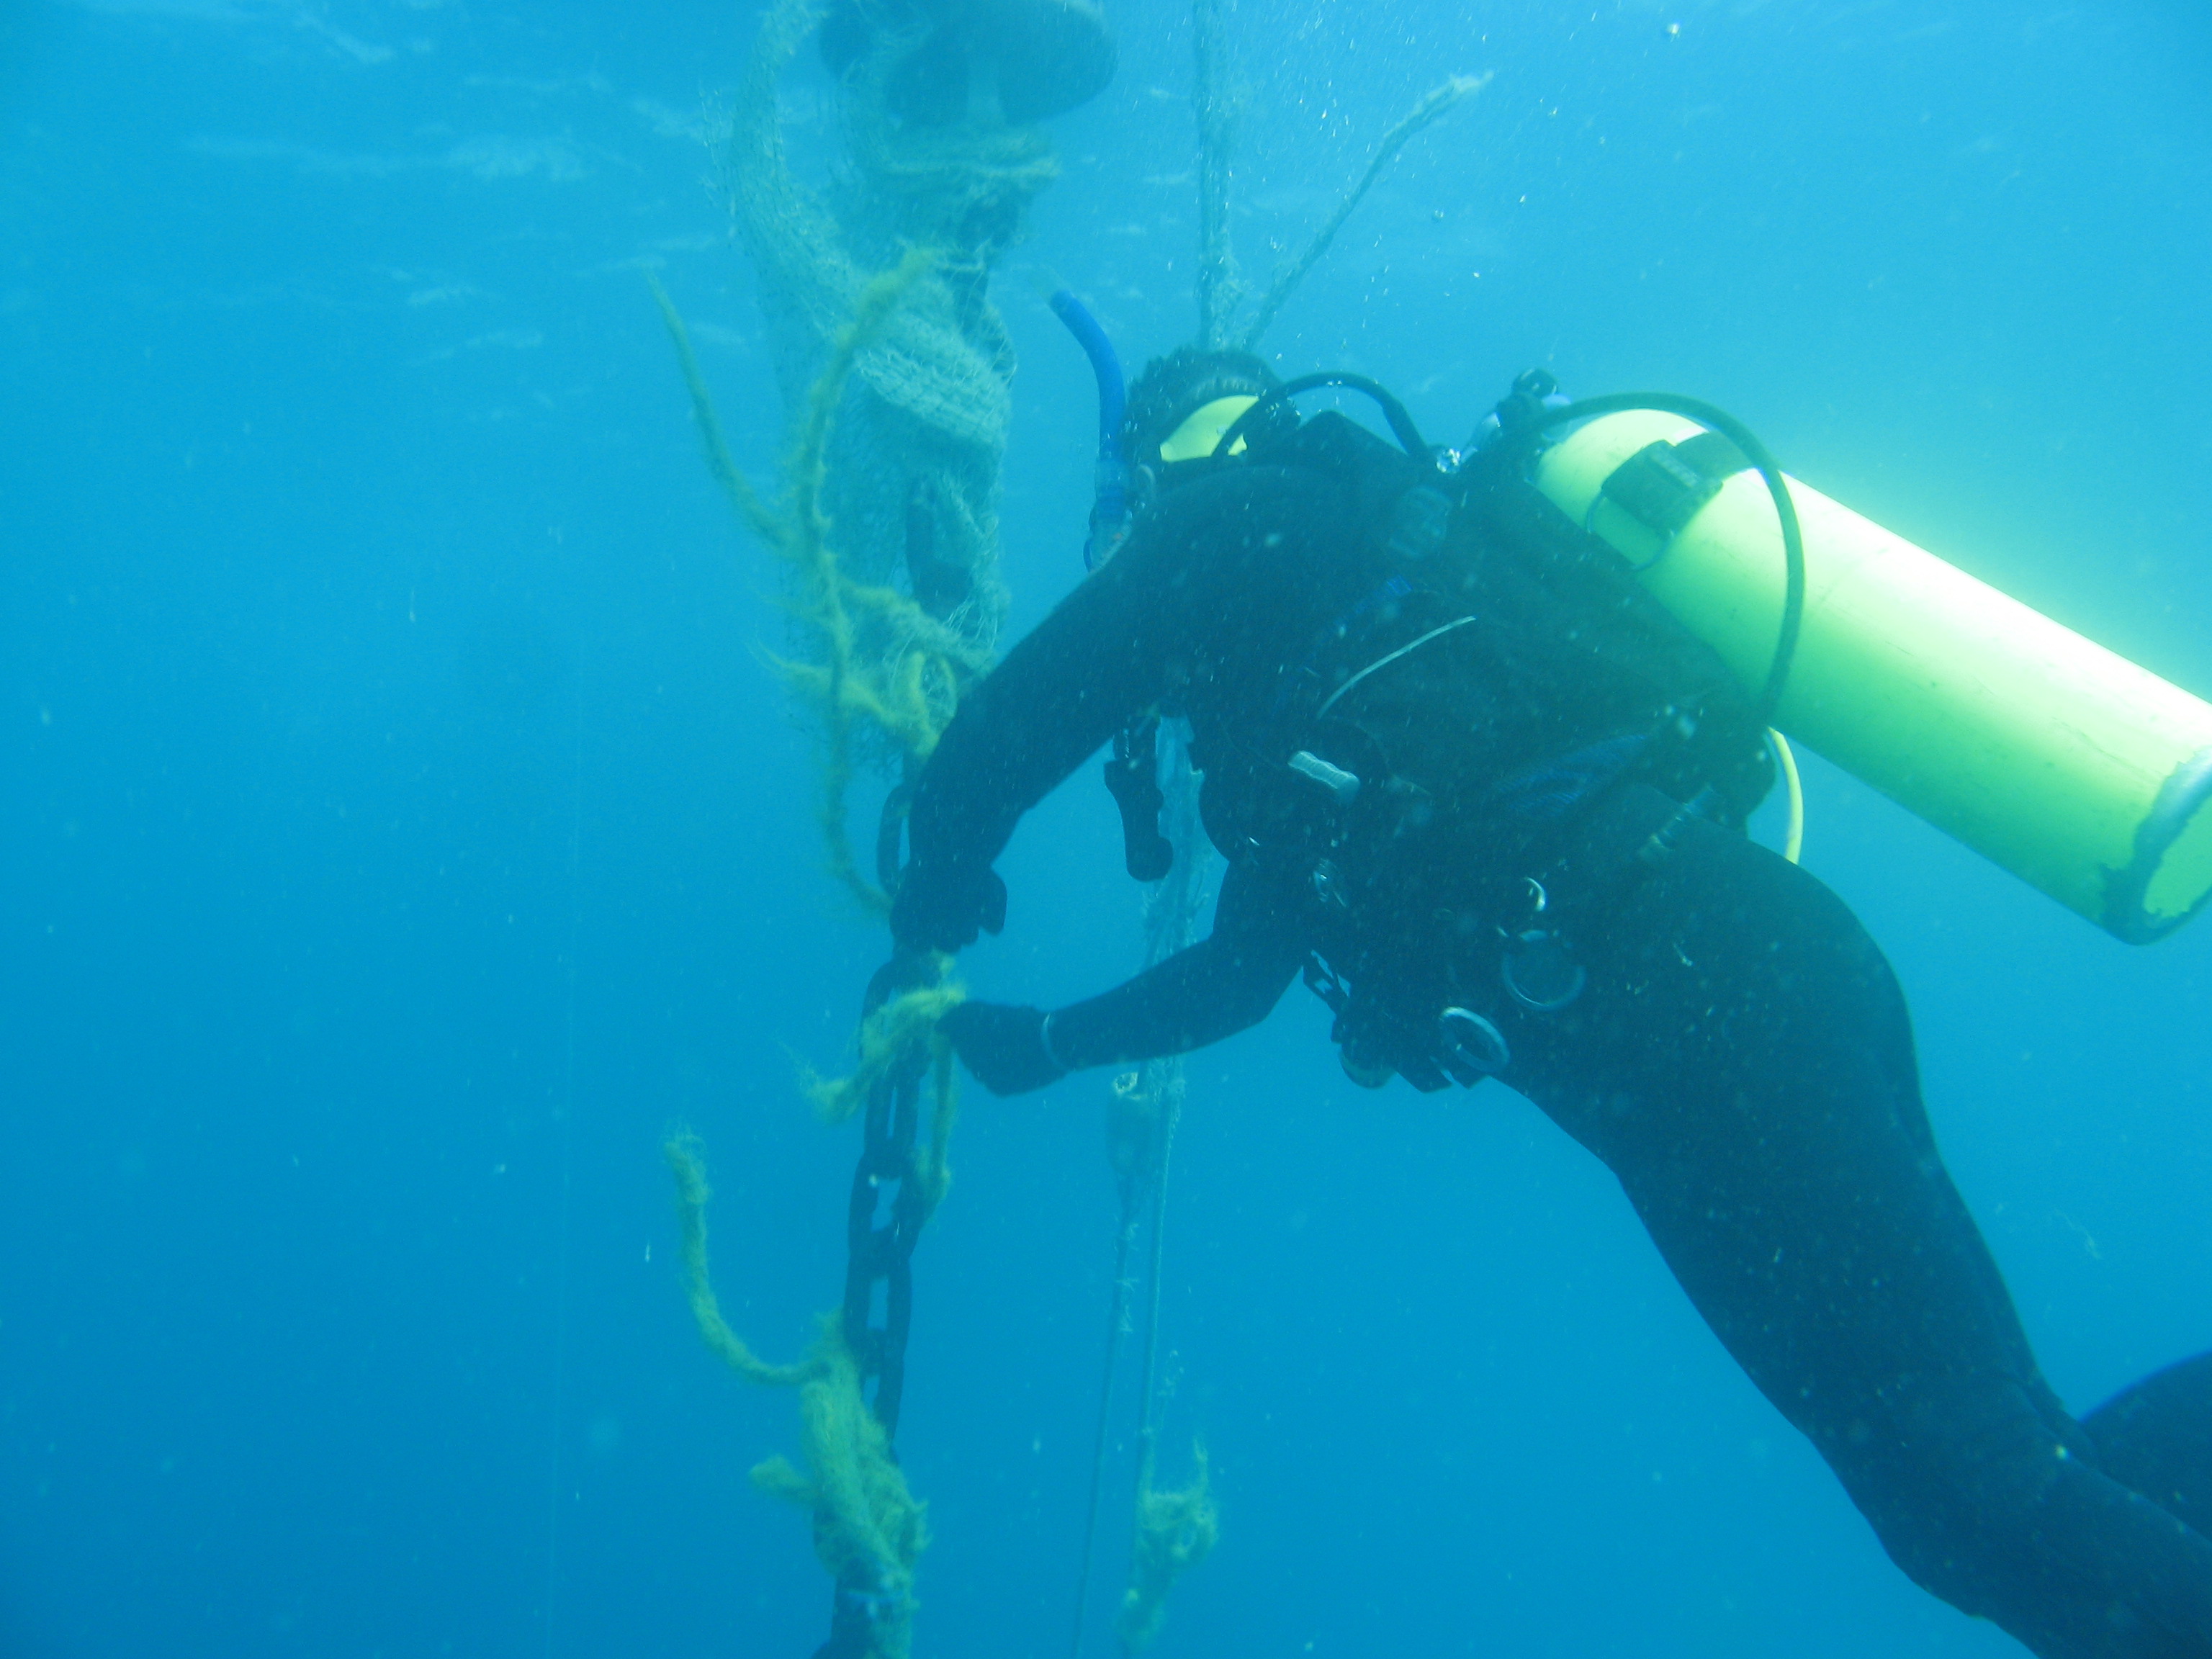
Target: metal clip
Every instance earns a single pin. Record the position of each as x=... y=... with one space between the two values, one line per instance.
x=1539 y=972
x=1328 y=885
x=1473 y=1048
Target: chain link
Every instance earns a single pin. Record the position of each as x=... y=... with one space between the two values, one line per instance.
x=884 y=1213
x=883 y=1221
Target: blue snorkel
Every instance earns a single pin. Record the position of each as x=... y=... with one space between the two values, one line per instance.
x=1109 y=501
x=1133 y=775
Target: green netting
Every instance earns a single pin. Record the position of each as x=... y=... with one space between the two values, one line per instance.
x=922 y=424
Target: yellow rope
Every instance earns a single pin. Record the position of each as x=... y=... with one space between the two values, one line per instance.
x=749 y=505
x=1175 y=1531
x=908 y=693
x=888 y=1037
x=869 y=1529
x=686 y=1164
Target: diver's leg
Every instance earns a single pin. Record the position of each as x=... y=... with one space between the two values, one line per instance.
x=1743 y=1061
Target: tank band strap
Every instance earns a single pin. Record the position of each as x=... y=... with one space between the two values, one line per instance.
x=1663 y=485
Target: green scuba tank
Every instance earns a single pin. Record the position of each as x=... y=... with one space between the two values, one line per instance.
x=2067 y=764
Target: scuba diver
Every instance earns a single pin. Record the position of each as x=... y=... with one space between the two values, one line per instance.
x=1487 y=796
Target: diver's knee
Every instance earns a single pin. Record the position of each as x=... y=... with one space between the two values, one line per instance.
x=1956 y=1494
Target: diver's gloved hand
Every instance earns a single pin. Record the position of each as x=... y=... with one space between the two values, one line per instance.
x=940 y=910
x=906 y=970
x=1004 y=1046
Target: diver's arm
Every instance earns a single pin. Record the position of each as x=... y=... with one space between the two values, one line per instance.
x=1199 y=996
x=1220 y=985
x=1220 y=555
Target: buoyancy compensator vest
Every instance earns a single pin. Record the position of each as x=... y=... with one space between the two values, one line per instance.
x=1419 y=769
x=1504 y=669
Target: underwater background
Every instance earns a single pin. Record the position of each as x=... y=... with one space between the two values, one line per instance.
x=400 y=829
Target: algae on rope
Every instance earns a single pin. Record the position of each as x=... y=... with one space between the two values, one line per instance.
x=885 y=667
x=898 y=389
x=1176 y=1531
x=869 y=1530
x=888 y=1037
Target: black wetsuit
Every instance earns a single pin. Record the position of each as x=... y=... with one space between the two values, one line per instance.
x=1739 y=1054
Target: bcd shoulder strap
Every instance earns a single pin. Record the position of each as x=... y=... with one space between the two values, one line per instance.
x=1597 y=635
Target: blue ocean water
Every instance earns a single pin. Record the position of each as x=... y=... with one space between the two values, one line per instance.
x=402 y=831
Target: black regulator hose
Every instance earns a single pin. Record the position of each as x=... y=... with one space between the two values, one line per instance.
x=1538 y=420
x=1393 y=412
x=1793 y=538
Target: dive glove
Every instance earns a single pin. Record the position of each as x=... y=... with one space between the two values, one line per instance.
x=937 y=909
x=1003 y=1046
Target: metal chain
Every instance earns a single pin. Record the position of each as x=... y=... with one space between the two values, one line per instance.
x=884 y=1220
x=884 y=1214
x=888 y=1207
